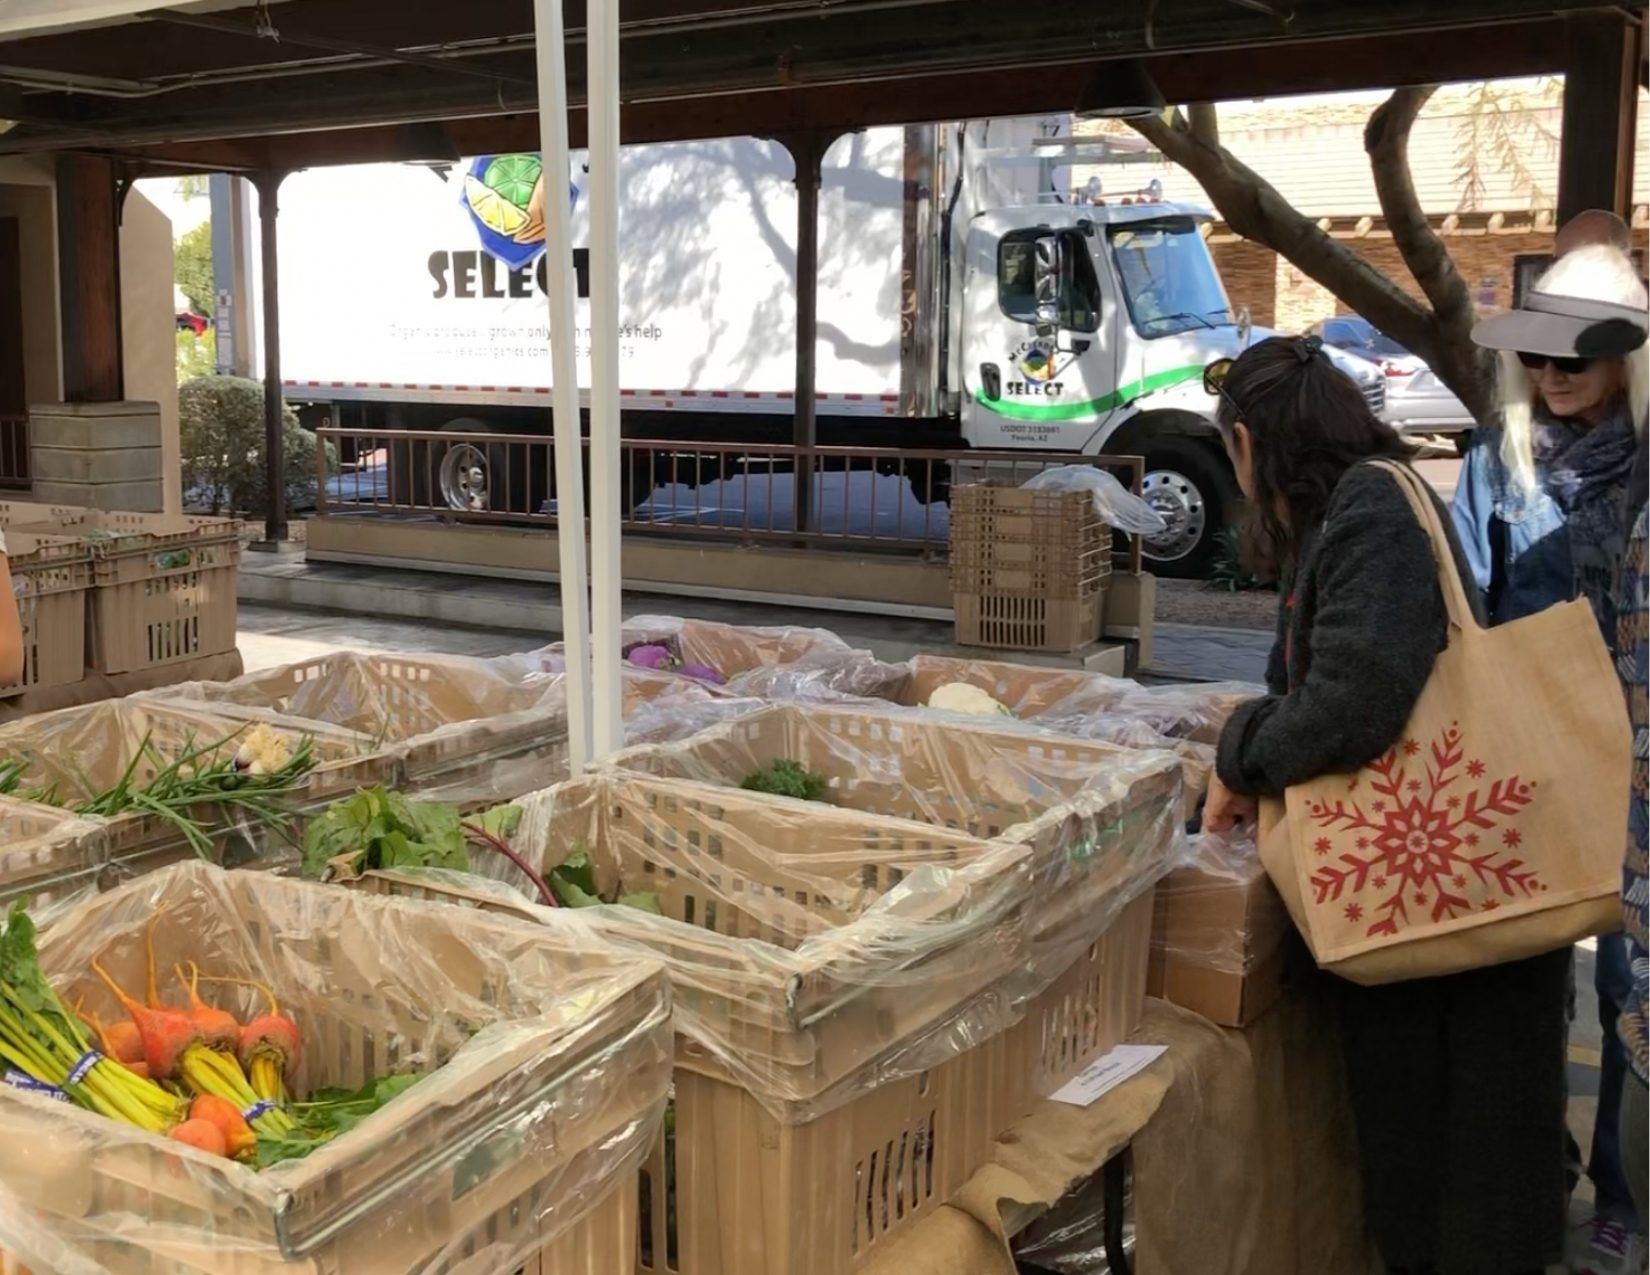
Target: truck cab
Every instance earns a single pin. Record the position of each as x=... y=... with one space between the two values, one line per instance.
x=1086 y=328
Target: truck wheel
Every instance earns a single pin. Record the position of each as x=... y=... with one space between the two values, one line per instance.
x=478 y=477
x=1190 y=485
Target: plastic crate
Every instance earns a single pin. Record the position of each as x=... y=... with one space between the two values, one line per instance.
x=165 y=585
x=51 y=579
x=1041 y=544
x=1102 y=823
x=461 y=729
x=1027 y=621
x=87 y=749
x=840 y=1069
x=46 y=853
x=515 y=1146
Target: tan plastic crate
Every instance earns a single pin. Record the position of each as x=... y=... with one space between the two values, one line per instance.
x=51 y=581
x=165 y=585
x=87 y=749
x=1036 y=543
x=536 y=1132
x=46 y=853
x=1027 y=621
x=1103 y=823
x=815 y=1045
x=454 y=727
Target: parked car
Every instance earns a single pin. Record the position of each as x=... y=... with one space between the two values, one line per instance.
x=1417 y=402
x=188 y=320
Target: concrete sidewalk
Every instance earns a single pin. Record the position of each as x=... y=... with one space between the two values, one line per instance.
x=451 y=613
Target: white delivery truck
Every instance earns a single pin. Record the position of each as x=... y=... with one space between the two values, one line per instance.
x=970 y=306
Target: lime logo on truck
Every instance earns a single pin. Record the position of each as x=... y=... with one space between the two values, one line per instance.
x=1038 y=362
x=504 y=195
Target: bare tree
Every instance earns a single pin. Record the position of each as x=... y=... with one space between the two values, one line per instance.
x=1438 y=329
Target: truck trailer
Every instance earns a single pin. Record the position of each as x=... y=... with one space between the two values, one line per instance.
x=968 y=297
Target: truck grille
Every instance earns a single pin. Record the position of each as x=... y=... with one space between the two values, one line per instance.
x=1375 y=395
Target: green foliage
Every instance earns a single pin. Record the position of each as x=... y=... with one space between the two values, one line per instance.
x=328 y=1113
x=221 y=431
x=192 y=267
x=1228 y=572
x=376 y=828
x=786 y=778
x=573 y=882
x=197 y=355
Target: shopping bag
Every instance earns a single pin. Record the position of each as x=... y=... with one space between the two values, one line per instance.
x=1495 y=827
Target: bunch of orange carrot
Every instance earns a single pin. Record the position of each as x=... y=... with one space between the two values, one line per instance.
x=187 y=1071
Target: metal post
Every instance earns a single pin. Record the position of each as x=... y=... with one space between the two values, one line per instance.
x=274 y=444
x=807 y=151
x=558 y=241
x=602 y=113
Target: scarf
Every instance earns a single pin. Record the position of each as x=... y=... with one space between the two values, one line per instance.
x=1588 y=476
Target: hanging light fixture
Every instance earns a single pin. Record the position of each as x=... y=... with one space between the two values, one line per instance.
x=1119 y=90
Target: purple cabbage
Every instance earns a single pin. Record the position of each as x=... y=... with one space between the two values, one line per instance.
x=653 y=657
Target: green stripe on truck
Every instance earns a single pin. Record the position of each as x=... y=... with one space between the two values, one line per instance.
x=1089 y=407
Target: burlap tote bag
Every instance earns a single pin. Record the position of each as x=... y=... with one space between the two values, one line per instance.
x=1494 y=829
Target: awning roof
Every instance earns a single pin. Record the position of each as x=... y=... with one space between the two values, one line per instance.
x=317 y=81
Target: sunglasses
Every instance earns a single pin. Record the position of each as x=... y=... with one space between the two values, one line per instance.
x=1569 y=364
x=1214 y=382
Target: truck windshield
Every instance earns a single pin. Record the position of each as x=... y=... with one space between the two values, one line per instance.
x=1169 y=280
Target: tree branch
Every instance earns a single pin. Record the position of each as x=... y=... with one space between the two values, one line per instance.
x=1386 y=140
x=1253 y=208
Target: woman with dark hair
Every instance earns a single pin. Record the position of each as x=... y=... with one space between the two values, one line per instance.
x=1457 y=1083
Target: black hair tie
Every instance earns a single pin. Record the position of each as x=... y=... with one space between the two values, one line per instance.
x=1307 y=348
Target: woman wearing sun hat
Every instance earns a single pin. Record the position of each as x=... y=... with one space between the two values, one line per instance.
x=1544 y=507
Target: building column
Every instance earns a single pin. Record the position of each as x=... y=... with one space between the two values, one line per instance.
x=88 y=257
x=1595 y=160
x=275 y=530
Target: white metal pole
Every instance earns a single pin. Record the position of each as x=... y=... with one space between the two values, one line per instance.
x=559 y=280
x=602 y=112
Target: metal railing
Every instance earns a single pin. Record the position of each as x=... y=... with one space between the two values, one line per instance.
x=859 y=498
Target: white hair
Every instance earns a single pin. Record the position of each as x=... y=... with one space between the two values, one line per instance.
x=1596 y=272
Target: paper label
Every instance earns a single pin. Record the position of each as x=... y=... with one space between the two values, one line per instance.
x=1106 y=1073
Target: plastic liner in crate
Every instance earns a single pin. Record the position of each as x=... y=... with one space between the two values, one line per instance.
x=67 y=757
x=470 y=731
x=843 y=988
x=545 y=1066
x=50 y=577
x=47 y=854
x=778 y=662
x=164 y=585
x=1103 y=823
x=1068 y=702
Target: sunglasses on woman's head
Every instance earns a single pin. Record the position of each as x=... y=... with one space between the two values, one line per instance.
x=1570 y=364
x=1214 y=382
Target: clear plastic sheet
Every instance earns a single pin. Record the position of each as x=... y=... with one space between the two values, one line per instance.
x=46 y=852
x=29 y=1238
x=780 y=662
x=548 y=1068
x=1070 y=1239
x=1116 y=504
x=82 y=751
x=458 y=729
x=1103 y=823
x=1217 y=909
x=814 y=953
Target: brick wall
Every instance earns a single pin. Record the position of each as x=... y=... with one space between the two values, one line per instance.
x=1251 y=276
x=1280 y=296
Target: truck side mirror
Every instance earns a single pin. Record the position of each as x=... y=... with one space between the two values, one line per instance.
x=1245 y=321
x=1048 y=275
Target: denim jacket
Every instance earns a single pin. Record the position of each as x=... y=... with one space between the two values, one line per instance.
x=1515 y=541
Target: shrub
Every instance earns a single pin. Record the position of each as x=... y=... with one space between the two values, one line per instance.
x=221 y=437
x=1229 y=572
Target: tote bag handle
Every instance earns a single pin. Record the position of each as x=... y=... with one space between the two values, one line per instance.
x=1456 y=603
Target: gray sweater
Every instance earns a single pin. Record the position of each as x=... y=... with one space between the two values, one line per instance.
x=1361 y=621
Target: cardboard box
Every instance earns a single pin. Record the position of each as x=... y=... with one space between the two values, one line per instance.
x=1218 y=939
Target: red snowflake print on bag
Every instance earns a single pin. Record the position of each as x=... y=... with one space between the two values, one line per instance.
x=1420 y=838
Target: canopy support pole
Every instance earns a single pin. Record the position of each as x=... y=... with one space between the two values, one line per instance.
x=602 y=114
x=569 y=451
